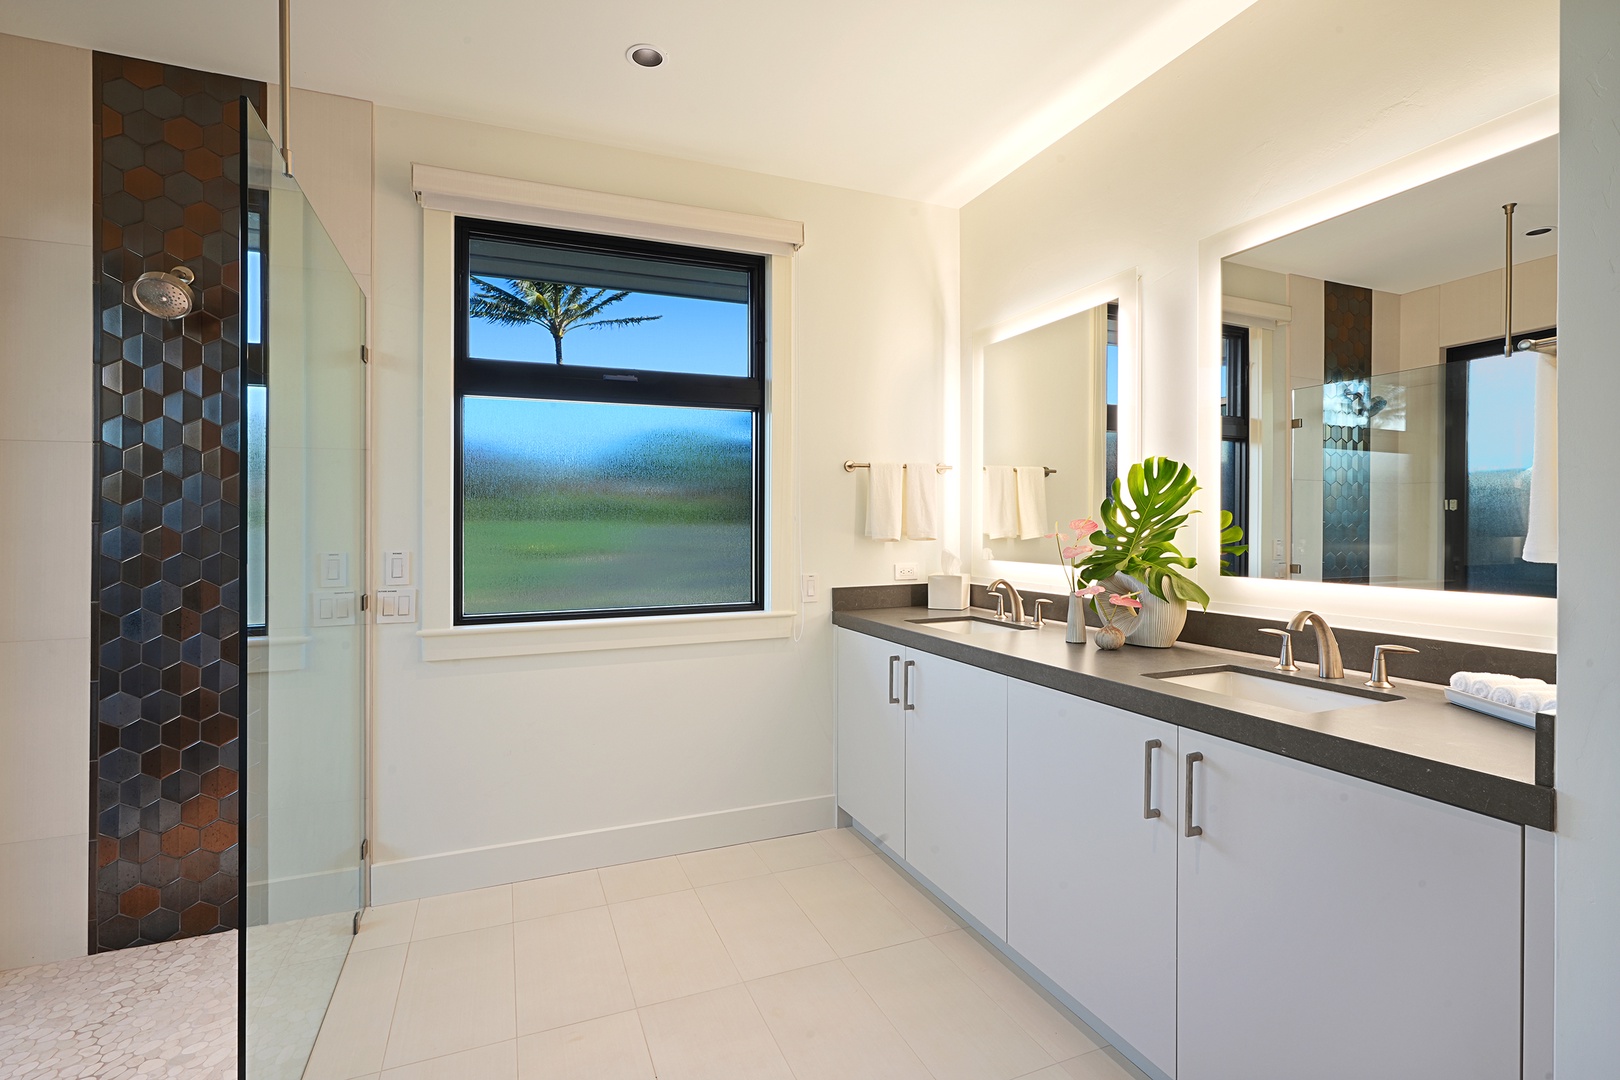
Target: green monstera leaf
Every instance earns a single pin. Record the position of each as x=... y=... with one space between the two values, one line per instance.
x=1232 y=543
x=1139 y=525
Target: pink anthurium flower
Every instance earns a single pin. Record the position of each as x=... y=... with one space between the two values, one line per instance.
x=1129 y=600
x=1089 y=591
x=1078 y=551
x=1084 y=526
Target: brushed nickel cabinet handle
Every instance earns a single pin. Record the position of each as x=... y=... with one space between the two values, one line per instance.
x=1148 y=809
x=1191 y=829
x=910 y=705
x=893 y=700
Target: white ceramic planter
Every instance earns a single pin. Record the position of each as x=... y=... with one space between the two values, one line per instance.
x=1159 y=623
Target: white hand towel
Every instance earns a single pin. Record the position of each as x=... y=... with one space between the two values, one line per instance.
x=1000 y=502
x=921 y=514
x=884 y=499
x=1537 y=698
x=1461 y=680
x=1506 y=695
x=1032 y=519
x=1541 y=540
x=1484 y=683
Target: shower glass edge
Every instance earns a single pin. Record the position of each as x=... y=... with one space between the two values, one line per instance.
x=303 y=878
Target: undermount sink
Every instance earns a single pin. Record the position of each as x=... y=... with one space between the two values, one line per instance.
x=970 y=624
x=1281 y=692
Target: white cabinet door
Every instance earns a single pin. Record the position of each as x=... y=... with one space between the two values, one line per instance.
x=1092 y=812
x=956 y=783
x=1334 y=929
x=872 y=736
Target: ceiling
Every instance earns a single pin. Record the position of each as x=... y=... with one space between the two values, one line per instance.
x=1447 y=229
x=925 y=99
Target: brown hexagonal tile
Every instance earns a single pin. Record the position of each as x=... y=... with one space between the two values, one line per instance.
x=181 y=841
x=183 y=133
x=201 y=811
x=142 y=73
x=199 y=918
x=202 y=163
x=218 y=836
x=182 y=243
x=201 y=218
x=219 y=783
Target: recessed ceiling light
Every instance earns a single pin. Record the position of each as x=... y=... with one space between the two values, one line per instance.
x=644 y=56
x=1543 y=231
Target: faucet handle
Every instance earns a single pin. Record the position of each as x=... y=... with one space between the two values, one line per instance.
x=1040 y=612
x=1001 y=603
x=1380 y=665
x=1285 y=662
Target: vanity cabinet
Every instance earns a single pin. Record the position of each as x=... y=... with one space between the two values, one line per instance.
x=1333 y=928
x=872 y=736
x=956 y=783
x=1093 y=808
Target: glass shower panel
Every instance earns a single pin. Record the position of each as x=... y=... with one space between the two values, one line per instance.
x=305 y=785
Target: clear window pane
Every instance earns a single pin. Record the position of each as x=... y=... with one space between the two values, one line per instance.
x=257 y=431
x=590 y=506
x=530 y=301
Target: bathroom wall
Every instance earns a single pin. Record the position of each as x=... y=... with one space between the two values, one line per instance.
x=1207 y=143
x=491 y=769
x=47 y=433
x=1588 y=961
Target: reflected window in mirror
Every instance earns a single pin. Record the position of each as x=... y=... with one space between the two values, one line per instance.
x=255 y=409
x=1111 y=448
x=1384 y=437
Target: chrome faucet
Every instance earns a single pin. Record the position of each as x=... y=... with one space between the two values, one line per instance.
x=1329 y=664
x=1012 y=594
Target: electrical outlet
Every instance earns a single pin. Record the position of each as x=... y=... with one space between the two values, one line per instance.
x=809 y=590
x=905 y=571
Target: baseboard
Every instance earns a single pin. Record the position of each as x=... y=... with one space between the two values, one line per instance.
x=1055 y=993
x=304 y=896
x=501 y=864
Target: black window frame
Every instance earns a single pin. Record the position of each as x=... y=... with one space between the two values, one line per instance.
x=1235 y=430
x=538 y=380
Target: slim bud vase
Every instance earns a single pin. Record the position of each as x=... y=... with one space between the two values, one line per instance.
x=1076 y=632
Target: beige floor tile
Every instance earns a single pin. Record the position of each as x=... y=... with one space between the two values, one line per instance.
x=354 y=1034
x=383 y=926
x=722 y=864
x=568 y=969
x=324 y=935
x=847 y=843
x=457 y=994
x=763 y=928
x=714 y=1036
x=607 y=1048
x=792 y=852
x=829 y=1028
x=848 y=911
x=554 y=895
x=670 y=947
x=497 y=1061
x=957 y=1031
x=1059 y=1033
x=632 y=881
x=1051 y=1072
x=913 y=901
x=1104 y=1064
x=460 y=912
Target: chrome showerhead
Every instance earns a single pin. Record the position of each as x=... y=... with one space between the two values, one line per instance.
x=166 y=294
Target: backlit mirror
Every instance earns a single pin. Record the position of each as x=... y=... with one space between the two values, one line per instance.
x=1050 y=431
x=1374 y=429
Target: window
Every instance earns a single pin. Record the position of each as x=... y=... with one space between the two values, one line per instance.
x=610 y=400
x=255 y=399
x=1111 y=390
x=1235 y=436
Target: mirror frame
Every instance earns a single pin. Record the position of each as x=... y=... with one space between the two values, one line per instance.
x=1522 y=622
x=1124 y=288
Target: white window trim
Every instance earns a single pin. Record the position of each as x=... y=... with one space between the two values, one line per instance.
x=441 y=639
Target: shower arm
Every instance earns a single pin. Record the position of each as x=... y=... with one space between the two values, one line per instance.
x=1507 y=282
x=286 y=87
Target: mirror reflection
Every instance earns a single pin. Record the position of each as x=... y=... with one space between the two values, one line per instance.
x=1389 y=390
x=1051 y=430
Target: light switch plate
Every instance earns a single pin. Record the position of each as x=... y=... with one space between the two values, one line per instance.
x=809 y=589
x=332 y=569
x=396 y=568
x=333 y=607
x=396 y=605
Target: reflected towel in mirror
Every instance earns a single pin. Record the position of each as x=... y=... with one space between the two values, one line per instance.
x=1032 y=519
x=1000 y=502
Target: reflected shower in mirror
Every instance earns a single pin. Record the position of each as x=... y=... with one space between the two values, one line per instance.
x=1051 y=429
x=1382 y=422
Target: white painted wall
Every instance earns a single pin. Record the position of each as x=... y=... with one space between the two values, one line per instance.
x=490 y=770
x=47 y=429
x=1587 y=1001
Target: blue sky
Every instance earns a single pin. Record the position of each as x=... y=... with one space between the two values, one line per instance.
x=579 y=432
x=1501 y=413
x=708 y=337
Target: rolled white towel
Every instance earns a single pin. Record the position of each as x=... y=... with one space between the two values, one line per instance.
x=1535 y=699
x=1461 y=681
x=1484 y=683
x=1505 y=695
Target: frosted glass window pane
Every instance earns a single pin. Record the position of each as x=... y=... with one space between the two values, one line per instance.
x=534 y=302
x=590 y=506
x=257 y=431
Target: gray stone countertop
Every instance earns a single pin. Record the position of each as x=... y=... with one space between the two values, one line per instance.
x=1421 y=744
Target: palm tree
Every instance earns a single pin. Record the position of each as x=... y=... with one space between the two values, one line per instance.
x=557 y=307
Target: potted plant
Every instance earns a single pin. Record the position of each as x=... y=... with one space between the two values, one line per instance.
x=1110 y=635
x=1134 y=552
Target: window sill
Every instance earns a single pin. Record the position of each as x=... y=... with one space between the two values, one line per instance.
x=597 y=635
x=271 y=654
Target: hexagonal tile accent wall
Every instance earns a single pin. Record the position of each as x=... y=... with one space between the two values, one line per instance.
x=167 y=701
x=1346 y=449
